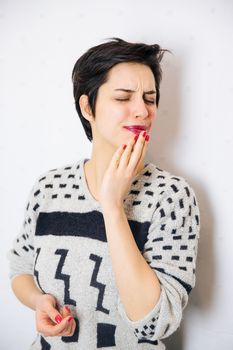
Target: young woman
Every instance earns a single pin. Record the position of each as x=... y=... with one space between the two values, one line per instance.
x=107 y=252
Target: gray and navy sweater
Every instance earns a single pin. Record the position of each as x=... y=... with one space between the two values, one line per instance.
x=63 y=244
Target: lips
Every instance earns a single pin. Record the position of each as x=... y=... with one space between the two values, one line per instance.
x=136 y=128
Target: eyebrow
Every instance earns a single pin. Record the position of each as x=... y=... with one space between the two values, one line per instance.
x=128 y=90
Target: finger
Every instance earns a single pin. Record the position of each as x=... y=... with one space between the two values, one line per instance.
x=53 y=314
x=67 y=331
x=133 y=151
x=70 y=326
x=116 y=158
x=49 y=320
x=53 y=330
x=67 y=312
x=138 y=153
x=144 y=150
x=61 y=331
x=73 y=327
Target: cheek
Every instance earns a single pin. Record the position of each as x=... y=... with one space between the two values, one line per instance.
x=153 y=114
x=117 y=113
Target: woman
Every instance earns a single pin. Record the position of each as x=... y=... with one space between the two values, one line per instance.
x=107 y=252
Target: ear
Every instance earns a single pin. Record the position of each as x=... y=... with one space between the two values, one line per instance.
x=85 y=107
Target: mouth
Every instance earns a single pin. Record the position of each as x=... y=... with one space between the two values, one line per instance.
x=136 y=130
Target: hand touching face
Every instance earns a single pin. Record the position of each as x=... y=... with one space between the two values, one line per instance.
x=124 y=166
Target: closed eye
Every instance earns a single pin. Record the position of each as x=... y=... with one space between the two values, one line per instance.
x=127 y=99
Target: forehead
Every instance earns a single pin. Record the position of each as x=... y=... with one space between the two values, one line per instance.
x=131 y=73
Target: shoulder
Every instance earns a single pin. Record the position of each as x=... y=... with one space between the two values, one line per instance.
x=175 y=200
x=168 y=185
x=60 y=173
x=164 y=179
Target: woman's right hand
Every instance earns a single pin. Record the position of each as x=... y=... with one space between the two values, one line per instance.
x=49 y=321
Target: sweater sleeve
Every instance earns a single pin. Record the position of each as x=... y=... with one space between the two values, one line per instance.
x=171 y=251
x=21 y=255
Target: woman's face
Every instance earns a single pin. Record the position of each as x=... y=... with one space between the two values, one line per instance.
x=116 y=108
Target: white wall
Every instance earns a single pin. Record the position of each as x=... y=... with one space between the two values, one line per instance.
x=192 y=137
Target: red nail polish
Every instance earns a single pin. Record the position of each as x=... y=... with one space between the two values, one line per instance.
x=124 y=147
x=135 y=137
x=58 y=319
x=144 y=134
x=67 y=308
x=70 y=319
x=147 y=137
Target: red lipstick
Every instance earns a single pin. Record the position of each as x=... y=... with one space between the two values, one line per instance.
x=136 y=129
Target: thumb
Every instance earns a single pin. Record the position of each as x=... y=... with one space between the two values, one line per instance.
x=65 y=311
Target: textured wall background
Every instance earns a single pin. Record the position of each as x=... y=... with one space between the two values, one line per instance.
x=192 y=136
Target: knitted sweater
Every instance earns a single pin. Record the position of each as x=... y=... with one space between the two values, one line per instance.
x=63 y=244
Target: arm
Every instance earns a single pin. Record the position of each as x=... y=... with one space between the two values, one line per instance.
x=131 y=269
x=49 y=321
x=26 y=290
x=171 y=251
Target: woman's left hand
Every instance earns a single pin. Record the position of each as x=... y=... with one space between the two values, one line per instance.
x=122 y=169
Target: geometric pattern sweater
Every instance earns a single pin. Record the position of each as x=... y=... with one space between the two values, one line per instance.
x=62 y=243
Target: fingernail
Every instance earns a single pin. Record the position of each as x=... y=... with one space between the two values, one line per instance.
x=67 y=308
x=70 y=319
x=135 y=137
x=147 y=137
x=58 y=319
x=124 y=147
x=144 y=134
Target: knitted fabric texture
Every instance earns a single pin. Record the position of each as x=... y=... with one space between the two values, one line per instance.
x=63 y=244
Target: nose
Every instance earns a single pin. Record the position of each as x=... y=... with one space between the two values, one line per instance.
x=140 y=108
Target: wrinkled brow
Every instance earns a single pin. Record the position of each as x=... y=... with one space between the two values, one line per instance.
x=128 y=90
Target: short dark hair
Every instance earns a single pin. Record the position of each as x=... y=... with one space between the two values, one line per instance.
x=91 y=69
